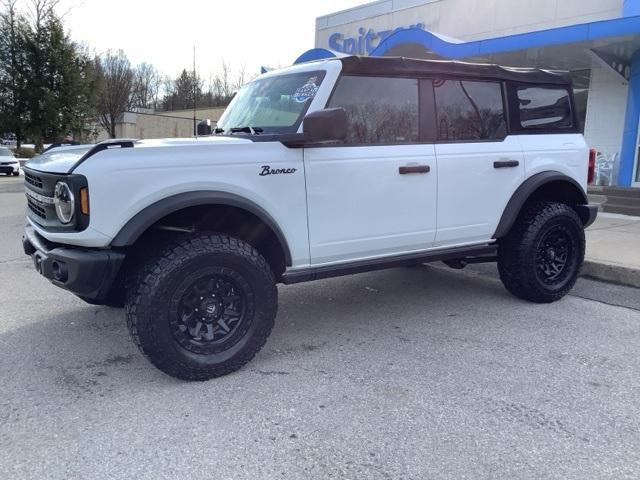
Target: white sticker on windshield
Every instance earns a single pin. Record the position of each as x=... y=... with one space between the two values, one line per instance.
x=307 y=91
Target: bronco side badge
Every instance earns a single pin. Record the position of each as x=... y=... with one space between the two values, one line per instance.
x=267 y=170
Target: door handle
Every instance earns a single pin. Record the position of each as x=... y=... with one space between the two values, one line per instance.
x=414 y=169
x=506 y=164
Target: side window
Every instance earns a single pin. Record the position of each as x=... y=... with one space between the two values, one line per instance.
x=469 y=110
x=544 y=107
x=380 y=110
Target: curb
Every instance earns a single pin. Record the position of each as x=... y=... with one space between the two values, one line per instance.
x=611 y=273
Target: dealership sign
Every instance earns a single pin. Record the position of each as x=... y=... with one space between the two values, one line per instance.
x=366 y=41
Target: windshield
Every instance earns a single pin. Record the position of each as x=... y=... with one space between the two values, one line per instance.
x=273 y=104
x=5 y=152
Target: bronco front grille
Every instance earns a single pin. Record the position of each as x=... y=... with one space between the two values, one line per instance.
x=36 y=209
x=33 y=180
x=39 y=190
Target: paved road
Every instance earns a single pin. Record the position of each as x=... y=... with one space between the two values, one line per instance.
x=410 y=373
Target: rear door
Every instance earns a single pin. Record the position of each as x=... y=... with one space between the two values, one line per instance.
x=479 y=165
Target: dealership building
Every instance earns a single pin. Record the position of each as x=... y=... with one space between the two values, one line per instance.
x=598 y=41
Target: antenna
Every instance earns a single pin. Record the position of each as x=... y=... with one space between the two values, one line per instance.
x=195 y=94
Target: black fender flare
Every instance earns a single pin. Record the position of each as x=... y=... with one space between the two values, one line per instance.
x=525 y=190
x=144 y=219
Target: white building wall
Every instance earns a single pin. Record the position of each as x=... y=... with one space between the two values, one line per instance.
x=466 y=19
x=606 y=108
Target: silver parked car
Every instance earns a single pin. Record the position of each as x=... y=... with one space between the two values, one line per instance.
x=8 y=163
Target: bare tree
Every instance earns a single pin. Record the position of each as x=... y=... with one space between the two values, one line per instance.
x=224 y=80
x=240 y=78
x=116 y=77
x=146 y=86
x=40 y=10
x=217 y=92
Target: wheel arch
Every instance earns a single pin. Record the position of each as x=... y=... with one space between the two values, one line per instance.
x=550 y=185
x=146 y=218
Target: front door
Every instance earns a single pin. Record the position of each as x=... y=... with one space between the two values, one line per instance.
x=375 y=194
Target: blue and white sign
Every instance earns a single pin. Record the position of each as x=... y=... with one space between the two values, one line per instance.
x=366 y=41
x=307 y=91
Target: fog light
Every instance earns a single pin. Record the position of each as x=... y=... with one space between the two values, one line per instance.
x=59 y=270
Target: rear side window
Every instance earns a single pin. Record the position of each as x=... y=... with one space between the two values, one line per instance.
x=469 y=110
x=380 y=110
x=544 y=107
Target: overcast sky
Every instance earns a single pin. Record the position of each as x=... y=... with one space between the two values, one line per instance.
x=163 y=32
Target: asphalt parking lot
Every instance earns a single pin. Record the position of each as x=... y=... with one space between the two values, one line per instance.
x=414 y=373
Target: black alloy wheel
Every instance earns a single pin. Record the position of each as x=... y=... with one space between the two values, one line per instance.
x=201 y=307
x=553 y=255
x=208 y=311
x=540 y=258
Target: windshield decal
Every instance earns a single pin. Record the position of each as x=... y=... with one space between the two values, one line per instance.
x=307 y=91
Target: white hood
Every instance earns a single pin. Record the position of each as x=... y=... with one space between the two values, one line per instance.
x=63 y=159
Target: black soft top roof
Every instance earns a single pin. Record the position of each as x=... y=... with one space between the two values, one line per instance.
x=412 y=66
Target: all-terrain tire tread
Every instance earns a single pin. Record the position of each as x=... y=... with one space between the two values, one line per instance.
x=141 y=284
x=514 y=260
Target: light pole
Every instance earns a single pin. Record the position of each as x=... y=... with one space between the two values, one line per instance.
x=195 y=94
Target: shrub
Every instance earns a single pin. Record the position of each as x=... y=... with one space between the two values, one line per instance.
x=25 y=152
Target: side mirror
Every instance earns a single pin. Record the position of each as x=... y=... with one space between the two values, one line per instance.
x=329 y=125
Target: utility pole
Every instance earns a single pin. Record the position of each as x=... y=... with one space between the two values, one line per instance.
x=195 y=93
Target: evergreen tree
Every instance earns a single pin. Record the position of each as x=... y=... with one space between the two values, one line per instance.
x=13 y=71
x=48 y=85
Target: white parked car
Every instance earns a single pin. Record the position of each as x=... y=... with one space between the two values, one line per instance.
x=317 y=170
x=9 y=165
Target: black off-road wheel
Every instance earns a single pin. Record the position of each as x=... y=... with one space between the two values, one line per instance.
x=540 y=259
x=203 y=307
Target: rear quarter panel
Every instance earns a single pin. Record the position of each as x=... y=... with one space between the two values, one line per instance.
x=564 y=153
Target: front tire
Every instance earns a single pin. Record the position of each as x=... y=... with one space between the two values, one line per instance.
x=539 y=260
x=203 y=307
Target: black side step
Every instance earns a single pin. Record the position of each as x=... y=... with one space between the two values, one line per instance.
x=471 y=254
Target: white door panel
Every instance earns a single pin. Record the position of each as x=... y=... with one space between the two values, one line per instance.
x=359 y=205
x=472 y=193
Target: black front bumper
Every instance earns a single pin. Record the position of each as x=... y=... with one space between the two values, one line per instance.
x=86 y=272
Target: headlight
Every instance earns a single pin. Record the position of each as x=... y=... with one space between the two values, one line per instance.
x=64 y=202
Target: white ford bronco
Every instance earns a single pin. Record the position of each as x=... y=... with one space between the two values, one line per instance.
x=321 y=169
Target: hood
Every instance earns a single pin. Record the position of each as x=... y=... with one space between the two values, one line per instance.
x=186 y=142
x=62 y=159
x=58 y=160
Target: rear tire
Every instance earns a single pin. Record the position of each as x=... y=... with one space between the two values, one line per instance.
x=540 y=259
x=203 y=307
